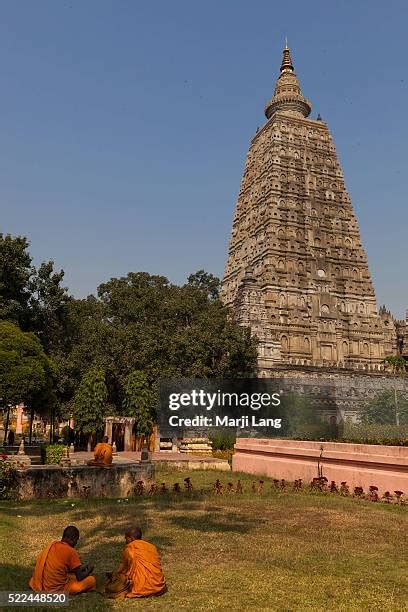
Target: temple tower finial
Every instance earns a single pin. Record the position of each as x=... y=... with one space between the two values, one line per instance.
x=286 y=60
x=288 y=97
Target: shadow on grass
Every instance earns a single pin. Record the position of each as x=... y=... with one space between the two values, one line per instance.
x=14 y=577
x=56 y=506
x=104 y=539
x=35 y=507
x=229 y=522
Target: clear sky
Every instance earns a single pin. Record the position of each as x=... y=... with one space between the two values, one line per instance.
x=124 y=126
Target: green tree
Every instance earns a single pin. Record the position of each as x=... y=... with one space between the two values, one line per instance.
x=382 y=409
x=33 y=299
x=49 y=307
x=206 y=282
x=398 y=365
x=396 y=362
x=175 y=331
x=15 y=271
x=90 y=403
x=143 y=322
x=138 y=402
x=300 y=418
x=26 y=373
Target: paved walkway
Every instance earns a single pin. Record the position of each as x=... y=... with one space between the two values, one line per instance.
x=133 y=457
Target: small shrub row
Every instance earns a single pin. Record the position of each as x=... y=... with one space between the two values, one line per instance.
x=358 y=433
x=317 y=485
x=51 y=453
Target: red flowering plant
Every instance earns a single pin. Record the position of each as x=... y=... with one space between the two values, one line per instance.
x=7 y=476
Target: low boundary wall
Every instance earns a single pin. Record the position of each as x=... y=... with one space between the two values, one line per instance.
x=48 y=481
x=358 y=464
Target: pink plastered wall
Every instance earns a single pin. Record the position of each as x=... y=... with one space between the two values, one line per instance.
x=357 y=464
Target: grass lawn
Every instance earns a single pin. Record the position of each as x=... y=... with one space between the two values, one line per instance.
x=277 y=551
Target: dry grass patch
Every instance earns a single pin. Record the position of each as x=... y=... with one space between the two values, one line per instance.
x=278 y=550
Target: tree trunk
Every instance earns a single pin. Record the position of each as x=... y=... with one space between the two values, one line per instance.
x=30 y=436
x=397 y=419
x=6 y=425
x=52 y=425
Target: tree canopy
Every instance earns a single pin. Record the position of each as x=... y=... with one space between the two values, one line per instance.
x=15 y=272
x=32 y=299
x=143 y=322
x=26 y=373
x=140 y=323
x=206 y=282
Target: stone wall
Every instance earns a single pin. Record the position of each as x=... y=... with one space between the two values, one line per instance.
x=340 y=393
x=81 y=481
x=359 y=465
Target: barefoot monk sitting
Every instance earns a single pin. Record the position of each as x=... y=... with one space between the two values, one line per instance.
x=103 y=453
x=58 y=567
x=140 y=573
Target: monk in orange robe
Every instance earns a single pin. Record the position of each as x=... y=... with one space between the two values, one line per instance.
x=140 y=573
x=103 y=453
x=58 y=567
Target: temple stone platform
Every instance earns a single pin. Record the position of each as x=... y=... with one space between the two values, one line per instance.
x=360 y=465
x=118 y=480
x=174 y=461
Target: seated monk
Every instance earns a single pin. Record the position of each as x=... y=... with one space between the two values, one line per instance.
x=139 y=573
x=58 y=567
x=103 y=453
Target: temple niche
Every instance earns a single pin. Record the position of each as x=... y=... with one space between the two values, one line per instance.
x=297 y=272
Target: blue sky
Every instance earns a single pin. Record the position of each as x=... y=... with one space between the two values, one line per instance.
x=124 y=126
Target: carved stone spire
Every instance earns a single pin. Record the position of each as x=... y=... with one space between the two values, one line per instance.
x=297 y=272
x=286 y=60
x=288 y=97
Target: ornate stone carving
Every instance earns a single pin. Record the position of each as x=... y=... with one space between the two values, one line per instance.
x=296 y=272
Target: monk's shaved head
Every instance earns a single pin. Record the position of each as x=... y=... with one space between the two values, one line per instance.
x=133 y=534
x=71 y=535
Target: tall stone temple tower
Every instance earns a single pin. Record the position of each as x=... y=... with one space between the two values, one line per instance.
x=297 y=273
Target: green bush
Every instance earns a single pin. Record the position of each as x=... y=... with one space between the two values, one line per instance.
x=224 y=454
x=52 y=453
x=7 y=476
x=357 y=433
x=223 y=440
x=374 y=433
x=315 y=431
x=383 y=408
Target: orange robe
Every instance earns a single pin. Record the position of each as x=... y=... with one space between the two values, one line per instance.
x=53 y=567
x=140 y=563
x=103 y=454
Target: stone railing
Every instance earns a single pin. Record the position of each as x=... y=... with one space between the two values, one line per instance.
x=360 y=465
